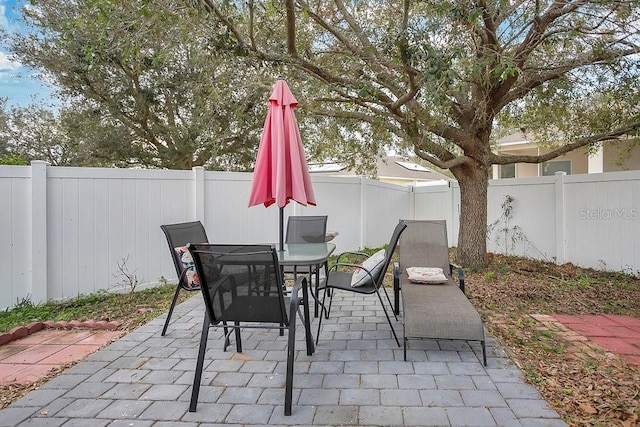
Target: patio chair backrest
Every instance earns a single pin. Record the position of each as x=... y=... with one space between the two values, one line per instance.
x=425 y=244
x=393 y=243
x=240 y=283
x=306 y=229
x=181 y=234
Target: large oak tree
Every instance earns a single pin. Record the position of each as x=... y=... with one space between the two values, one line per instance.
x=442 y=75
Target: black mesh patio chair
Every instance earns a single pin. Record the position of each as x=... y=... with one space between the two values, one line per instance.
x=371 y=278
x=307 y=229
x=242 y=285
x=178 y=236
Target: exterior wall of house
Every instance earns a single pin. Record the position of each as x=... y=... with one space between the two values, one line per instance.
x=621 y=156
x=579 y=161
x=613 y=157
x=524 y=170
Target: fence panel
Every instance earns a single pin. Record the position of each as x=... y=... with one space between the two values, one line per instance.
x=228 y=219
x=68 y=231
x=103 y=223
x=521 y=217
x=438 y=202
x=15 y=235
x=339 y=199
x=603 y=221
x=384 y=204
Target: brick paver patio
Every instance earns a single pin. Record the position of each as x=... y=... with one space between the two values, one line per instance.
x=357 y=376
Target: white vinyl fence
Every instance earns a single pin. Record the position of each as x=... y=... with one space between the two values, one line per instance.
x=70 y=231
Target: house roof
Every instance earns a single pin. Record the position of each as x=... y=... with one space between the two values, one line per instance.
x=388 y=168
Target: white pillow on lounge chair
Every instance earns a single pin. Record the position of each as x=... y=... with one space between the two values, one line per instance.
x=433 y=275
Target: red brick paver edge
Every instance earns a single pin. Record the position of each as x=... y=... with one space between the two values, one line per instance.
x=23 y=331
x=40 y=348
x=595 y=338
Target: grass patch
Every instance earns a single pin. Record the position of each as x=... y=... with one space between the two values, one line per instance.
x=131 y=309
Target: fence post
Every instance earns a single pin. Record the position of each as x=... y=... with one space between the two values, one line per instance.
x=39 y=285
x=363 y=213
x=412 y=200
x=561 y=246
x=198 y=192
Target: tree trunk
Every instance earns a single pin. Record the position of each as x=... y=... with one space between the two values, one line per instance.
x=472 y=237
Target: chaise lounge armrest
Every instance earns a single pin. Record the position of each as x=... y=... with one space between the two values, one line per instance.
x=396 y=288
x=460 y=271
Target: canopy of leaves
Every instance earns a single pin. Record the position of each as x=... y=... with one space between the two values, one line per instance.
x=442 y=75
x=154 y=88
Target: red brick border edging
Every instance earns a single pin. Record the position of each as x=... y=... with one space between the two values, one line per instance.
x=23 y=331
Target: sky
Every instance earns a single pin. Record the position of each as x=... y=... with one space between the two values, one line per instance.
x=17 y=83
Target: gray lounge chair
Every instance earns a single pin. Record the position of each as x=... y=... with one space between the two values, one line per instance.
x=433 y=311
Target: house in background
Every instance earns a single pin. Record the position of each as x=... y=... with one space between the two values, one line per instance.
x=394 y=170
x=605 y=159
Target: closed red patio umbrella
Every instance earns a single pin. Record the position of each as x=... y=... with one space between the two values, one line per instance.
x=281 y=173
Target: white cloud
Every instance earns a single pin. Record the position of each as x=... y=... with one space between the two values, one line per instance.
x=7 y=65
x=8 y=70
x=4 y=21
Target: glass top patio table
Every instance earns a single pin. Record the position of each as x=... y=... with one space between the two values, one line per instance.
x=305 y=254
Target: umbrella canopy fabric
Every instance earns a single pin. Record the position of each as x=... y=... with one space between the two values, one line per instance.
x=281 y=173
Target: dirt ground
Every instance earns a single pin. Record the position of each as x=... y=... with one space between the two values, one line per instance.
x=586 y=387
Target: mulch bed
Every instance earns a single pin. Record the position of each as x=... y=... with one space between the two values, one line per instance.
x=584 y=384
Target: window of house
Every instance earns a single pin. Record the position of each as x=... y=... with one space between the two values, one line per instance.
x=550 y=168
x=508 y=171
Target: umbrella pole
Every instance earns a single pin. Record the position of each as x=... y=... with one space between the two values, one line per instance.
x=282 y=229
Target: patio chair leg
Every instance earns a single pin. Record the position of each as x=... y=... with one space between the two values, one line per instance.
x=291 y=354
x=307 y=318
x=199 y=364
x=405 y=348
x=390 y=303
x=308 y=334
x=226 y=336
x=324 y=297
x=238 y=339
x=386 y=313
x=173 y=304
